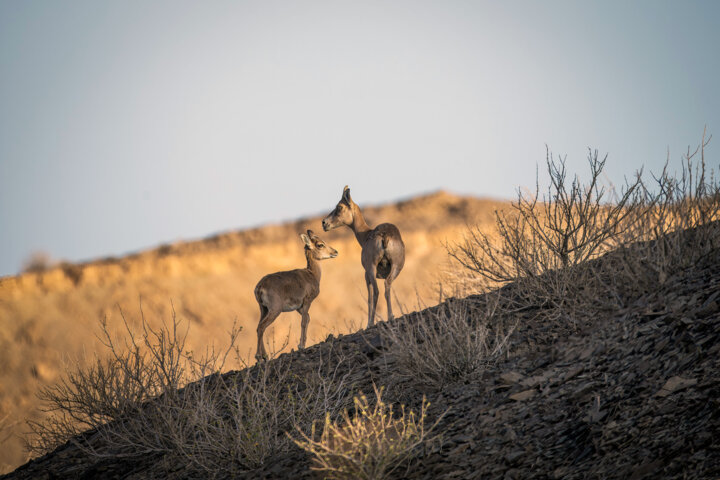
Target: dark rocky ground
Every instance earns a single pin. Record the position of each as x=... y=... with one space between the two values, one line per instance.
x=632 y=392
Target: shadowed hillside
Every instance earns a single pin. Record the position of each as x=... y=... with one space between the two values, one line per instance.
x=49 y=317
x=629 y=392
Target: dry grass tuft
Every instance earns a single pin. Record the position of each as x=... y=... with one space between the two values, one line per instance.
x=151 y=397
x=369 y=445
x=448 y=343
x=6 y=427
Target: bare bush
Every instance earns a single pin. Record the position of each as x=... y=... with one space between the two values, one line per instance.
x=679 y=225
x=238 y=427
x=137 y=369
x=447 y=343
x=151 y=397
x=371 y=444
x=545 y=243
x=6 y=432
x=6 y=427
x=38 y=262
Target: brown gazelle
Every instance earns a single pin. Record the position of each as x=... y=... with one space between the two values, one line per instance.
x=292 y=290
x=383 y=251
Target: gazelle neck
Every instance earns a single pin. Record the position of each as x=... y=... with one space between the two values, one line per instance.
x=312 y=264
x=359 y=226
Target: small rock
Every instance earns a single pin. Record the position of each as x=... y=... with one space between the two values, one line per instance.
x=572 y=373
x=458 y=450
x=644 y=469
x=675 y=384
x=583 y=390
x=511 y=377
x=456 y=474
x=536 y=380
x=524 y=395
x=708 y=309
x=514 y=456
x=585 y=354
x=513 y=474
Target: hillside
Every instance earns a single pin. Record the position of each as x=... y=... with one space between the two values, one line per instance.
x=52 y=317
x=630 y=392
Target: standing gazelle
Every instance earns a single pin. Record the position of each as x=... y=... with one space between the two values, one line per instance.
x=383 y=251
x=292 y=290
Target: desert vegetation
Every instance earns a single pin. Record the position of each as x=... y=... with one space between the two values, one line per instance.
x=672 y=203
x=448 y=343
x=38 y=262
x=139 y=366
x=545 y=245
x=152 y=397
x=372 y=444
x=564 y=257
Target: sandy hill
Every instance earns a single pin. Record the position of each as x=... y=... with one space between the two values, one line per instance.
x=628 y=393
x=50 y=317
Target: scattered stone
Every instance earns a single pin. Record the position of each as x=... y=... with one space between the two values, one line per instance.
x=511 y=377
x=573 y=372
x=524 y=395
x=707 y=310
x=583 y=390
x=675 y=384
x=514 y=456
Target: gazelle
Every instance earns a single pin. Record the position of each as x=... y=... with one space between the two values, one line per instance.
x=383 y=251
x=292 y=290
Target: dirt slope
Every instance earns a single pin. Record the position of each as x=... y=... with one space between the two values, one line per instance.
x=47 y=318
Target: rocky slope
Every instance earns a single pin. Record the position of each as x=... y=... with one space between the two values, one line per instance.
x=50 y=318
x=629 y=393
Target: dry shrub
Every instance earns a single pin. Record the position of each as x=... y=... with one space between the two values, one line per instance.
x=5 y=433
x=678 y=225
x=5 y=426
x=544 y=243
x=369 y=445
x=151 y=397
x=138 y=368
x=444 y=344
x=38 y=262
x=230 y=424
x=547 y=245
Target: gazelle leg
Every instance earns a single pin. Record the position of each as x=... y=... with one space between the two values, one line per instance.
x=303 y=326
x=388 y=289
x=265 y=321
x=388 y=284
x=373 y=294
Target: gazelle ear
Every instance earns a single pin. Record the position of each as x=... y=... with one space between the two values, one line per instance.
x=306 y=239
x=346 y=195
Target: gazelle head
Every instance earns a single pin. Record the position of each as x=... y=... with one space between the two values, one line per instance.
x=343 y=213
x=319 y=249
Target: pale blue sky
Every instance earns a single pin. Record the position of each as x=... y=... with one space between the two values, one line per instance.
x=127 y=124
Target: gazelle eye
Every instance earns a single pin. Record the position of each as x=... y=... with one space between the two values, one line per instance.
x=321 y=245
